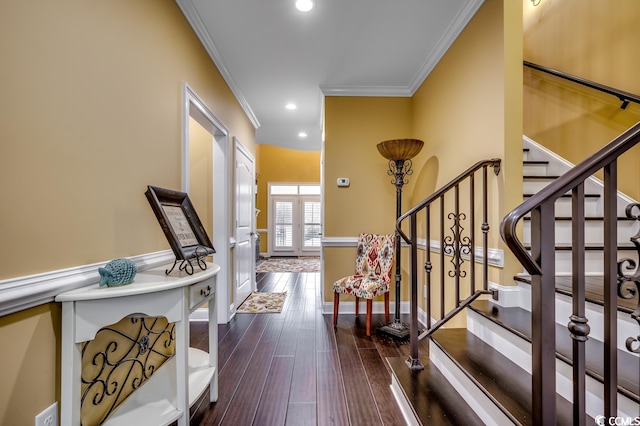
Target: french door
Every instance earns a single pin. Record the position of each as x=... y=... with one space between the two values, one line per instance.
x=296 y=227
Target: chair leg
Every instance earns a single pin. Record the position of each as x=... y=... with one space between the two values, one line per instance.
x=357 y=306
x=336 y=301
x=369 y=309
x=386 y=307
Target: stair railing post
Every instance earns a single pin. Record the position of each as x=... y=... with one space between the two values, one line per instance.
x=543 y=315
x=610 y=291
x=414 y=361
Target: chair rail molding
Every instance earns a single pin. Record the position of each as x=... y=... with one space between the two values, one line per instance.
x=18 y=294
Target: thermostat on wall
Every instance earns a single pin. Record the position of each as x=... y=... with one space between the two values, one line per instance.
x=343 y=181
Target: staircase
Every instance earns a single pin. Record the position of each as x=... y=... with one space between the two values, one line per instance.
x=481 y=374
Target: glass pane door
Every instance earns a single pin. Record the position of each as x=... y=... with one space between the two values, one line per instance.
x=311 y=224
x=283 y=214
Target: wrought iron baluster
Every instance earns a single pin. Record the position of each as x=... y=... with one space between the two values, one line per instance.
x=472 y=228
x=578 y=327
x=427 y=265
x=485 y=227
x=457 y=259
x=442 y=252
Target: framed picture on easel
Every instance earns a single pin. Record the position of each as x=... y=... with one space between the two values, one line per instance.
x=181 y=226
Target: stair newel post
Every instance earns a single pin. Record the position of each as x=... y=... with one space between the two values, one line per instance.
x=610 y=291
x=543 y=315
x=414 y=362
x=578 y=327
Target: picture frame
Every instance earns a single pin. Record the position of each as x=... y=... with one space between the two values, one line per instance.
x=180 y=223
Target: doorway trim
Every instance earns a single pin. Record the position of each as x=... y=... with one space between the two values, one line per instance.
x=194 y=107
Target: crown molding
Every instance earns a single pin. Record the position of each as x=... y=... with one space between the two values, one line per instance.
x=190 y=12
x=391 y=91
x=450 y=35
x=455 y=28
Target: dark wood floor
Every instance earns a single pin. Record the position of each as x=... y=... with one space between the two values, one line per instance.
x=293 y=368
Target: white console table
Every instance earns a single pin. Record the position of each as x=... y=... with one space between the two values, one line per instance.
x=167 y=395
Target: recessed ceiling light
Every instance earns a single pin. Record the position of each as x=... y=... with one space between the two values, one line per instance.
x=304 y=5
x=302 y=135
x=291 y=106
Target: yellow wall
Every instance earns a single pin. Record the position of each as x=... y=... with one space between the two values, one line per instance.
x=354 y=126
x=90 y=114
x=468 y=109
x=201 y=173
x=276 y=164
x=594 y=40
x=30 y=360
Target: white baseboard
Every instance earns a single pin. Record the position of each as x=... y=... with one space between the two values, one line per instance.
x=378 y=307
x=509 y=296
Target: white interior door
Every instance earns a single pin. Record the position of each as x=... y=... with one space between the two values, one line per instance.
x=244 y=252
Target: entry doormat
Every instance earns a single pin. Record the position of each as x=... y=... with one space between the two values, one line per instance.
x=262 y=303
x=301 y=264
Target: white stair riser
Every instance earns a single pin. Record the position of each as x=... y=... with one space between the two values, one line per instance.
x=532 y=186
x=534 y=170
x=593 y=231
x=627 y=327
x=594 y=263
x=519 y=351
x=592 y=207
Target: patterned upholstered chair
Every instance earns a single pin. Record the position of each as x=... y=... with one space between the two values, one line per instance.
x=373 y=275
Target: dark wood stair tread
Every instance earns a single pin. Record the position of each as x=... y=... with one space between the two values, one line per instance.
x=535 y=162
x=540 y=177
x=518 y=321
x=591 y=247
x=588 y=218
x=502 y=380
x=434 y=400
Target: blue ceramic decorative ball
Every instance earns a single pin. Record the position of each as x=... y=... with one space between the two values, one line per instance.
x=117 y=272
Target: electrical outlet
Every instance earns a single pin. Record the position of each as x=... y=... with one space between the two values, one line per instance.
x=48 y=417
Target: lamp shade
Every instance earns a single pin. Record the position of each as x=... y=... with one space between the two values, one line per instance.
x=400 y=149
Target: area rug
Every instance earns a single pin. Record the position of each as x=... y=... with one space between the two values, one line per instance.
x=302 y=264
x=262 y=303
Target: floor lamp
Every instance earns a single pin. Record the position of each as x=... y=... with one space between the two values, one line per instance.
x=399 y=152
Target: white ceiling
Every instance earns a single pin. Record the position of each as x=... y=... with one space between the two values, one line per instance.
x=270 y=54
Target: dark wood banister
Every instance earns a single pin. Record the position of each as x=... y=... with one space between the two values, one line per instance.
x=625 y=97
x=558 y=188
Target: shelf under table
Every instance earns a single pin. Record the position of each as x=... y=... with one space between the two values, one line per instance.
x=154 y=403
